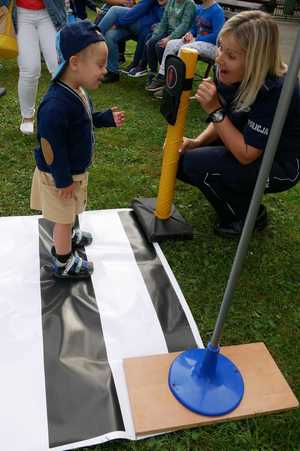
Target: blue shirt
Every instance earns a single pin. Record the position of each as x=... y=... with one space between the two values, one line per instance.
x=256 y=123
x=207 y=23
x=145 y=13
x=66 y=123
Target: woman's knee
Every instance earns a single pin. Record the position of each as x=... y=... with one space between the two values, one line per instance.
x=32 y=72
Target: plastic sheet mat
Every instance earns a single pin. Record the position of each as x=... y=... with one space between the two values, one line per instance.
x=63 y=343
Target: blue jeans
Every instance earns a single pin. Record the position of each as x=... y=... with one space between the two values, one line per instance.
x=111 y=17
x=115 y=35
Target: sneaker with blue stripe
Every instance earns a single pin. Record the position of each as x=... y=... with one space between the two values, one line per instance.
x=80 y=238
x=74 y=268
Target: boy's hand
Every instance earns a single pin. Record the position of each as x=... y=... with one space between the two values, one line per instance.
x=188 y=37
x=119 y=116
x=67 y=193
x=163 y=42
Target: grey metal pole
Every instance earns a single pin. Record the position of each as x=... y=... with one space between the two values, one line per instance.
x=275 y=133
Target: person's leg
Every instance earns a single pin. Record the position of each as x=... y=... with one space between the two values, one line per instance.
x=66 y=263
x=111 y=17
x=158 y=82
x=205 y=49
x=62 y=239
x=226 y=184
x=47 y=35
x=151 y=53
x=159 y=52
x=122 y=49
x=112 y=38
x=29 y=62
x=172 y=48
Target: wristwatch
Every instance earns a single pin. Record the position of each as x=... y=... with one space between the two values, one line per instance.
x=217 y=116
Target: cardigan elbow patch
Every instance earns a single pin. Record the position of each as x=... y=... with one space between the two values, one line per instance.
x=47 y=151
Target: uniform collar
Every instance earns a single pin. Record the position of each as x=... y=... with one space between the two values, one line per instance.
x=272 y=82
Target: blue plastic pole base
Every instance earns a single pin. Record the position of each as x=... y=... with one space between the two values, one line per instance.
x=206 y=382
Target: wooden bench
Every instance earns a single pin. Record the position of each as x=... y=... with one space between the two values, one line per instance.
x=232 y=7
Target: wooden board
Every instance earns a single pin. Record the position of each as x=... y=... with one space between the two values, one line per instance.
x=154 y=409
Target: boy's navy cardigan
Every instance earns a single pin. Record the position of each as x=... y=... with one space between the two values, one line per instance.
x=66 y=124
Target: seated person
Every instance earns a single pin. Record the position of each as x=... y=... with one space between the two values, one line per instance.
x=209 y=20
x=107 y=4
x=122 y=23
x=176 y=21
x=79 y=8
x=224 y=160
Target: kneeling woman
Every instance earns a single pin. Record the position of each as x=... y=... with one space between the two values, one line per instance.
x=224 y=160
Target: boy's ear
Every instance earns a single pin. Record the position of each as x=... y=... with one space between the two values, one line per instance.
x=73 y=62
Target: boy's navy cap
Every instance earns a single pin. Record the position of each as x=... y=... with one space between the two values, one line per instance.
x=73 y=38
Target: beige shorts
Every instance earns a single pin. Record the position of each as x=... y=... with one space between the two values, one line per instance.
x=44 y=197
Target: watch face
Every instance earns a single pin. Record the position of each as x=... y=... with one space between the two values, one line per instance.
x=218 y=116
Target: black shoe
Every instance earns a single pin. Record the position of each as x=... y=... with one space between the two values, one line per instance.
x=158 y=95
x=127 y=69
x=234 y=229
x=80 y=238
x=150 y=77
x=156 y=85
x=111 y=77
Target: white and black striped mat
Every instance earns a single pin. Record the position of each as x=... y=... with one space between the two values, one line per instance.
x=62 y=343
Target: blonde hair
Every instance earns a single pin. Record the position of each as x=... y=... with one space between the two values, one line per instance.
x=258 y=36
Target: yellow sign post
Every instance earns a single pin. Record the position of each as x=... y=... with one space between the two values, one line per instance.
x=158 y=217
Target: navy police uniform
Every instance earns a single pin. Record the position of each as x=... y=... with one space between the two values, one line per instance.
x=227 y=184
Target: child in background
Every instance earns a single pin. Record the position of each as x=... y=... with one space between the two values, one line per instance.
x=224 y=160
x=122 y=23
x=66 y=140
x=79 y=8
x=176 y=21
x=209 y=20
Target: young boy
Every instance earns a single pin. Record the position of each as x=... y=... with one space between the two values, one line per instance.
x=208 y=21
x=65 y=124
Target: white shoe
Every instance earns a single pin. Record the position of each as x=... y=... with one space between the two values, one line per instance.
x=27 y=127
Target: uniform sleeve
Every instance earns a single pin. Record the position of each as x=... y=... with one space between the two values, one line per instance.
x=260 y=120
x=103 y=119
x=187 y=20
x=217 y=22
x=53 y=129
x=134 y=14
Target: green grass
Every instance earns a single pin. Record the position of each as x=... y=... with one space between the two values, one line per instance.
x=266 y=304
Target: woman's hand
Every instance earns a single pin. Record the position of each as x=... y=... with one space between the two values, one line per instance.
x=187 y=144
x=119 y=116
x=207 y=96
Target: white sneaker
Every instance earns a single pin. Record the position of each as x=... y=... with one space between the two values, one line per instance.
x=27 y=127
